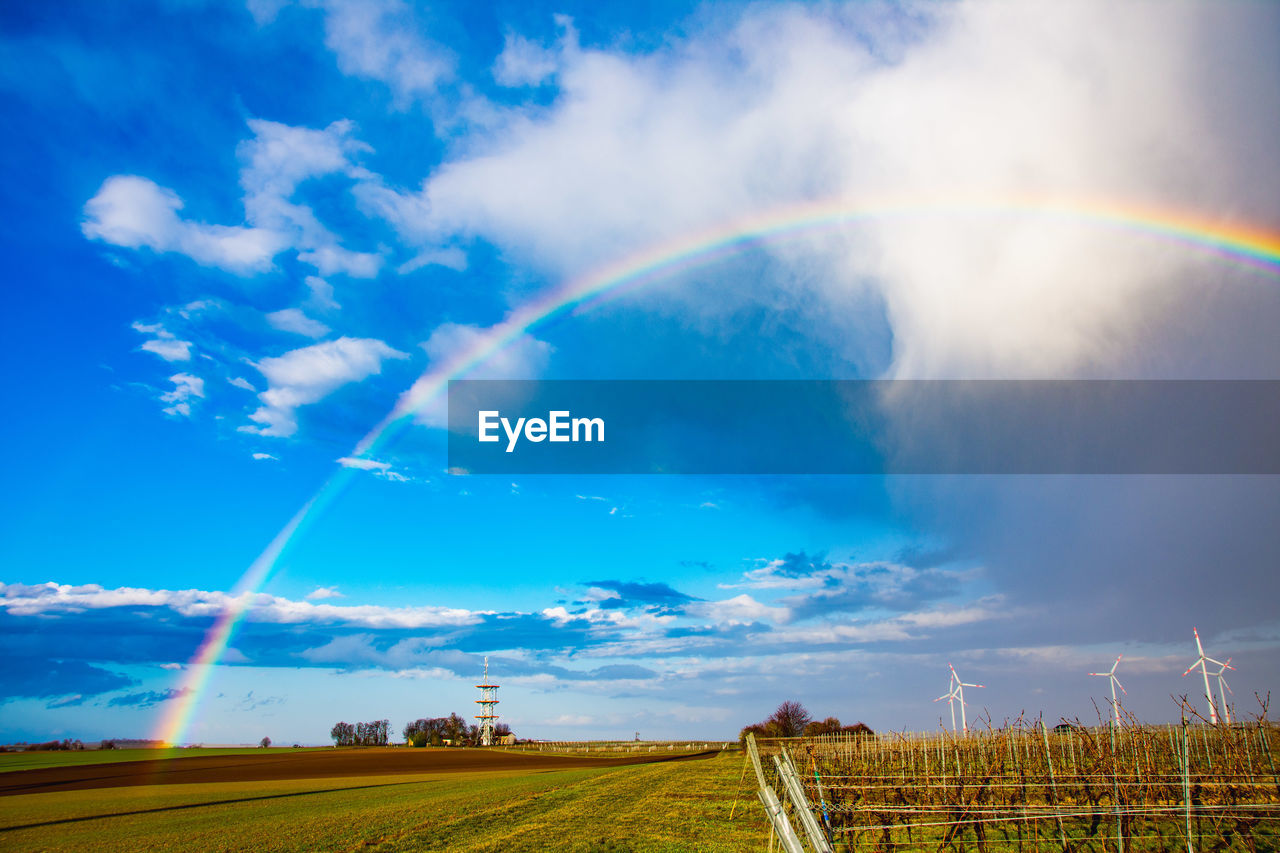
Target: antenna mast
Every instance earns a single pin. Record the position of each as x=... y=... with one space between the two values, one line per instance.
x=488 y=699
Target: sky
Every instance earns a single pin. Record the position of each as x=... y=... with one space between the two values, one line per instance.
x=243 y=242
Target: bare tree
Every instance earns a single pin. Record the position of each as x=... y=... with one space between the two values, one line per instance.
x=789 y=719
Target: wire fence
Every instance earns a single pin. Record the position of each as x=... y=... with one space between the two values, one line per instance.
x=1027 y=788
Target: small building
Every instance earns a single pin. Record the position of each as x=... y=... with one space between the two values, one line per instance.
x=508 y=739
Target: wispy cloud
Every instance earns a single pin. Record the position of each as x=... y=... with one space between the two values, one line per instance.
x=293 y=320
x=164 y=344
x=185 y=387
x=147 y=698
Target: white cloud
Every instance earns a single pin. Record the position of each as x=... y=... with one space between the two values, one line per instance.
x=134 y=212
x=322 y=592
x=321 y=298
x=52 y=598
x=170 y=349
x=185 y=387
x=378 y=40
x=982 y=105
x=307 y=375
x=450 y=258
x=262 y=457
x=241 y=382
x=164 y=344
x=293 y=320
x=523 y=62
x=740 y=609
x=364 y=464
x=524 y=358
x=331 y=260
x=279 y=158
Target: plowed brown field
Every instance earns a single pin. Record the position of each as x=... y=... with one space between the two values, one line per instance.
x=316 y=764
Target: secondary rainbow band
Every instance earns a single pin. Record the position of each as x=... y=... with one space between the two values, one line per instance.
x=1246 y=244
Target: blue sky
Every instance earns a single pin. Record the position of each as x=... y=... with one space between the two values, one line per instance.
x=237 y=234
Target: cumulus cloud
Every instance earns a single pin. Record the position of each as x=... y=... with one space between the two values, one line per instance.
x=135 y=213
x=293 y=320
x=984 y=127
x=307 y=375
x=322 y=592
x=262 y=457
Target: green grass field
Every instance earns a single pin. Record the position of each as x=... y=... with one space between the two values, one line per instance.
x=673 y=806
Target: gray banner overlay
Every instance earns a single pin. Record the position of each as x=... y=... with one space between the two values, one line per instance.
x=865 y=427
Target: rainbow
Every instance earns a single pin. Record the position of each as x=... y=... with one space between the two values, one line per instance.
x=1249 y=245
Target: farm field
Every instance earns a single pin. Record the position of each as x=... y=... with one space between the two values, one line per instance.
x=35 y=760
x=469 y=800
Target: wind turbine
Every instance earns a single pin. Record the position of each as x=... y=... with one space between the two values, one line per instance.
x=1115 y=682
x=1204 y=670
x=956 y=692
x=1224 y=689
x=950 y=696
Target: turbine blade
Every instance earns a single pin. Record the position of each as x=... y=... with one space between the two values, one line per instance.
x=1121 y=686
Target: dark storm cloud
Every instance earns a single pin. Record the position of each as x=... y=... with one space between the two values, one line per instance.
x=1140 y=558
x=39 y=677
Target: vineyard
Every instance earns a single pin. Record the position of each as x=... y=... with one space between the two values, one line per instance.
x=1026 y=787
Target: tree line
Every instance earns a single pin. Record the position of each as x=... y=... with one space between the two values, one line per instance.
x=361 y=734
x=791 y=719
x=426 y=731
